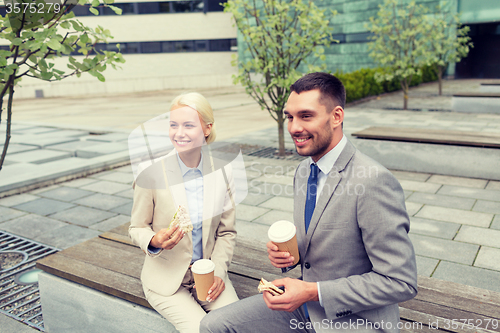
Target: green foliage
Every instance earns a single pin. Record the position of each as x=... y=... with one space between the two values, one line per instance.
x=280 y=36
x=363 y=83
x=399 y=45
x=38 y=32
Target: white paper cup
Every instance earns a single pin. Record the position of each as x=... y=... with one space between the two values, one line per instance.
x=203 y=273
x=284 y=235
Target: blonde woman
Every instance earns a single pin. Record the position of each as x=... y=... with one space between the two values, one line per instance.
x=185 y=177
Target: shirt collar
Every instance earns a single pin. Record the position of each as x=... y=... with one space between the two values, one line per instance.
x=325 y=164
x=185 y=169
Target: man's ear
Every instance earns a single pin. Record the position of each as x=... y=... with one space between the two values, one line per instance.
x=337 y=116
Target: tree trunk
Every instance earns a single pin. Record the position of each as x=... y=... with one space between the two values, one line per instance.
x=440 y=79
x=405 y=86
x=9 y=119
x=281 y=134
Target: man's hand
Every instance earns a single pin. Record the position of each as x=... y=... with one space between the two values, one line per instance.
x=167 y=238
x=279 y=259
x=216 y=289
x=297 y=292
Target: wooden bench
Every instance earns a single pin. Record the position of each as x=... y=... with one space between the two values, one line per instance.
x=111 y=265
x=424 y=135
x=476 y=102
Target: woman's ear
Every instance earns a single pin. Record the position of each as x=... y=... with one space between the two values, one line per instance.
x=208 y=130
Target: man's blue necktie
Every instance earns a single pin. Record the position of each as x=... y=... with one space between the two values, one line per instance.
x=312 y=187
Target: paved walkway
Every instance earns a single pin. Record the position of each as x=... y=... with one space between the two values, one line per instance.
x=455 y=221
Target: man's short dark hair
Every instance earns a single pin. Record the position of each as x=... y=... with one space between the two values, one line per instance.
x=331 y=88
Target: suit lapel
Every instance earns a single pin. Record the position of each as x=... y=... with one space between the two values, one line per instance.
x=176 y=183
x=325 y=197
x=208 y=195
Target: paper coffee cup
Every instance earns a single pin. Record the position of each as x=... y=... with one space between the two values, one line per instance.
x=283 y=234
x=203 y=273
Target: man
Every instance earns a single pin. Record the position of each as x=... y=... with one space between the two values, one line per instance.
x=356 y=259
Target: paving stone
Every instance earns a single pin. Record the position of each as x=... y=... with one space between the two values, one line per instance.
x=43 y=189
x=496 y=222
x=458 y=181
x=433 y=228
x=17 y=199
x=467 y=192
x=408 y=193
x=480 y=236
x=426 y=266
x=83 y=216
x=126 y=194
x=487 y=207
x=253 y=199
x=444 y=249
x=39 y=156
x=411 y=185
x=106 y=187
x=9 y=214
x=67 y=236
x=488 y=257
x=64 y=193
x=119 y=177
x=279 y=203
x=43 y=141
x=252 y=231
x=412 y=208
x=249 y=213
x=31 y=225
x=18 y=148
x=272 y=179
x=442 y=200
x=406 y=175
x=101 y=149
x=125 y=168
x=270 y=189
x=273 y=216
x=111 y=223
x=102 y=201
x=44 y=206
x=108 y=137
x=80 y=182
x=493 y=185
x=468 y=275
x=455 y=215
x=16 y=169
x=73 y=146
x=125 y=209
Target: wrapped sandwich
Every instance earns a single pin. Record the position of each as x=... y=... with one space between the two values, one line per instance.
x=181 y=218
x=268 y=286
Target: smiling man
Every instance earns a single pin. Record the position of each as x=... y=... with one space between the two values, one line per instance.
x=356 y=258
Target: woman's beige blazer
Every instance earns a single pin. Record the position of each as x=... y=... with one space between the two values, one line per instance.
x=158 y=191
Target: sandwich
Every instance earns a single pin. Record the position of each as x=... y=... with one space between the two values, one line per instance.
x=181 y=218
x=268 y=286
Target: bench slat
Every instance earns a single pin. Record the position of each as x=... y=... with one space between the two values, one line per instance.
x=101 y=279
x=462 y=138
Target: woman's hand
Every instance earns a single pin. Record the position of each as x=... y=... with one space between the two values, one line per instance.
x=215 y=289
x=167 y=238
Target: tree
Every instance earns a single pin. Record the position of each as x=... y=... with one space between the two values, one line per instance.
x=280 y=37
x=449 y=42
x=38 y=33
x=399 y=42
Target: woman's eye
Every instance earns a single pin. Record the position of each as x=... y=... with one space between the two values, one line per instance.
x=173 y=125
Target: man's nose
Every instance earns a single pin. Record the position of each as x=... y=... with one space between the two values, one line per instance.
x=294 y=127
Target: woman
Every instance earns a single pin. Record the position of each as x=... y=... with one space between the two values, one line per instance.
x=185 y=177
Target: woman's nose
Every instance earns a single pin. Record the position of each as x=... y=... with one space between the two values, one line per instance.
x=180 y=131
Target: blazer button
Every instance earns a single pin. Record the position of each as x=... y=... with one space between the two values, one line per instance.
x=307 y=265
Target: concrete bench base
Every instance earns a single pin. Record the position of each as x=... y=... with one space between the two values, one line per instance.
x=72 y=307
x=490 y=88
x=433 y=158
x=476 y=104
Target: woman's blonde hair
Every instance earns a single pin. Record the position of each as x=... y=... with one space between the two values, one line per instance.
x=196 y=101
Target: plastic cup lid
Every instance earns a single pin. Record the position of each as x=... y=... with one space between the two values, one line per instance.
x=281 y=231
x=203 y=266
